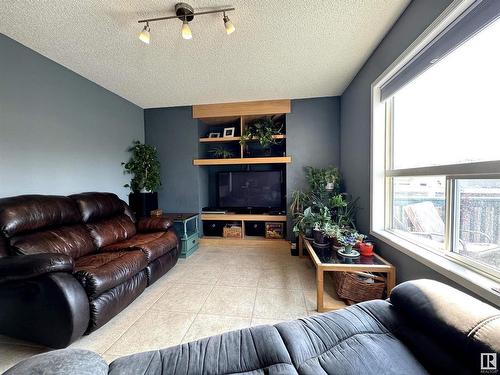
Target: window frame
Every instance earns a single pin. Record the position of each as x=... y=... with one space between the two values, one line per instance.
x=463 y=270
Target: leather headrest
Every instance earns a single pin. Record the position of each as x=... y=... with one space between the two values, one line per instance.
x=27 y=213
x=95 y=206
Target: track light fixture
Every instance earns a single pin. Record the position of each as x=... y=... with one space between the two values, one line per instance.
x=186 y=30
x=185 y=13
x=228 y=24
x=145 y=35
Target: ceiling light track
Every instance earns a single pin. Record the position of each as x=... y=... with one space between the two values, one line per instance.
x=186 y=14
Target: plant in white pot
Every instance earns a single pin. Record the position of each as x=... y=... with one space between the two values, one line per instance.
x=144 y=166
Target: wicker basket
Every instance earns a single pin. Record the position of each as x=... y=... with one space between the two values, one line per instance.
x=231 y=231
x=353 y=290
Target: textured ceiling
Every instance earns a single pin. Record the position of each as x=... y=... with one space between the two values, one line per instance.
x=280 y=49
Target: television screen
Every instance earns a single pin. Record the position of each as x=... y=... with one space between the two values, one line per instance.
x=262 y=189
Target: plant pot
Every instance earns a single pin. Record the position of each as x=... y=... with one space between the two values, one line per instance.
x=142 y=204
x=319 y=237
x=366 y=249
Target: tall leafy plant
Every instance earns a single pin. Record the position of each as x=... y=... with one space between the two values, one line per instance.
x=144 y=166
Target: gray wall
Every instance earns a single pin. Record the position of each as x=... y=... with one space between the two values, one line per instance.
x=313 y=139
x=59 y=132
x=313 y=135
x=174 y=132
x=355 y=120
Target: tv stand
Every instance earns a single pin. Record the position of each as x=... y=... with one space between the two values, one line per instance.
x=231 y=217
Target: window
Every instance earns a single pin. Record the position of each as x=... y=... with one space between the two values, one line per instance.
x=436 y=141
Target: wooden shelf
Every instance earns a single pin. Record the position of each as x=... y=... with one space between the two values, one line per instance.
x=269 y=160
x=242 y=217
x=234 y=139
x=241 y=109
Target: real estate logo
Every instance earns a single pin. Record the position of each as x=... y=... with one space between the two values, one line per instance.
x=489 y=363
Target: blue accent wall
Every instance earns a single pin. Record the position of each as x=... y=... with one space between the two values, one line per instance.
x=313 y=138
x=59 y=132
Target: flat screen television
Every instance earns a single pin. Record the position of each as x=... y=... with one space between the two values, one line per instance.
x=259 y=190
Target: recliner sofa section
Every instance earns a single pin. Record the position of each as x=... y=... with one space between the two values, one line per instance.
x=70 y=264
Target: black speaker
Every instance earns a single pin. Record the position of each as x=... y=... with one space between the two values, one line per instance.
x=142 y=204
x=213 y=228
x=255 y=228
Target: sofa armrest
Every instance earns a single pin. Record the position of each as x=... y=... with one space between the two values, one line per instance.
x=153 y=224
x=455 y=320
x=23 y=267
x=62 y=362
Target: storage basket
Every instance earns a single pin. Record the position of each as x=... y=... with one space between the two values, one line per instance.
x=231 y=231
x=349 y=287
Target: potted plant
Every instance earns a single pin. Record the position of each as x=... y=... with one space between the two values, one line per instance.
x=304 y=223
x=144 y=167
x=348 y=238
x=221 y=152
x=263 y=130
x=323 y=218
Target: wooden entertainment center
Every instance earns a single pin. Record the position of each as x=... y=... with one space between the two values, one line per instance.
x=239 y=115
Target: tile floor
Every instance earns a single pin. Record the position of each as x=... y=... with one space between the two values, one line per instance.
x=217 y=289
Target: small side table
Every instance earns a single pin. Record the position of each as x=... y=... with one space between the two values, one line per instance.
x=186 y=226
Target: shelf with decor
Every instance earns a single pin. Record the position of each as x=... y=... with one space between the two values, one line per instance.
x=234 y=139
x=233 y=161
x=242 y=133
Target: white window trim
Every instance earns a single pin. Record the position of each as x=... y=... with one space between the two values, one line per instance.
x=445 y=265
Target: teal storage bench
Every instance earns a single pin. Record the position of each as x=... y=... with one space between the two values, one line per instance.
x=186 y=226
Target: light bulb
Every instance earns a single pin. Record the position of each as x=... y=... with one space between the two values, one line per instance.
x=186 y=31
x=228 y=25
x=145 y=35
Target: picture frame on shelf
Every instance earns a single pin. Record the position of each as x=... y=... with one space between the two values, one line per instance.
x=214 y=135
x=229 y=132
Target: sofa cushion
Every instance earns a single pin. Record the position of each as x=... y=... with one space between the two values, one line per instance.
x=27 y=213
x=103 y=271
x=94 y=206
x=257 y=350
x=348 y=341
x=154 y=245
x=74 y=241
x=111 y=230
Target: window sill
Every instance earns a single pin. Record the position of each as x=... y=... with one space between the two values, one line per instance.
x=466 y=277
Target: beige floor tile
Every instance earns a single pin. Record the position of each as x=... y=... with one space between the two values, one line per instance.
x=154 y=330
x=207 y=325
x=330 y=299
x=279 y=304
x=280 y=278
x=194 y=273
x=12 y=354
x=101 y=339
x=240 y=277
x=183 y=298
x=230 y=301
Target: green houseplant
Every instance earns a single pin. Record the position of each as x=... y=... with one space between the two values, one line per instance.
x=221 y=152
x=264 y=131
x=144 y=167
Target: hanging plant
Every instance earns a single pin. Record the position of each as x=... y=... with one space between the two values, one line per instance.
x=144 y=166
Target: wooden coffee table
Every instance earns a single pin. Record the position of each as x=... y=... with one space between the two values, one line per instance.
x=334 y=263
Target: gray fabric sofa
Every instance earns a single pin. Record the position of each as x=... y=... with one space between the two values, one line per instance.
x=424 y=327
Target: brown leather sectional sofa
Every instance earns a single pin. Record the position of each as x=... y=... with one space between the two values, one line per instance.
x=69 y=264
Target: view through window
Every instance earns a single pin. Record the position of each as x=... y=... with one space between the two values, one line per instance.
x=440 y=122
